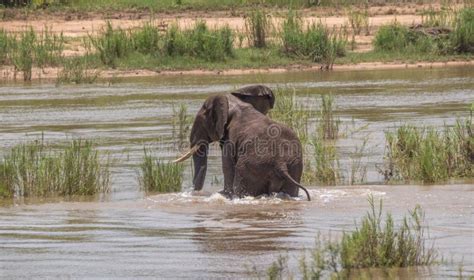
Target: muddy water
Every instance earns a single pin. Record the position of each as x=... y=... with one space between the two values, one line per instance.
x=126 y=234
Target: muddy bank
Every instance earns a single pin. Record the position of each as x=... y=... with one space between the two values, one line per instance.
x=8 y=74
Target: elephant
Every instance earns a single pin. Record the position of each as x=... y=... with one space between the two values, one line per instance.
x=259 y=155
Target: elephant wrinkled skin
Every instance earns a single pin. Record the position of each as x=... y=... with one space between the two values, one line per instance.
x=259 y=155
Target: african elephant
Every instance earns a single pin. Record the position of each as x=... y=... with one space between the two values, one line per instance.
x=259 y=156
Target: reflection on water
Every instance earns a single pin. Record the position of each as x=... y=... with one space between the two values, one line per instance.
x=187 y=235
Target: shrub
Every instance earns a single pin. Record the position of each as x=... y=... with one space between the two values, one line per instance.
x=462 y=37
x=391 y=37
x=35 y=169
x=158 y=176
x=315 y=42
x=147 y=39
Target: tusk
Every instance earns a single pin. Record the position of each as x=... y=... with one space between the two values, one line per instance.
x=187 y=154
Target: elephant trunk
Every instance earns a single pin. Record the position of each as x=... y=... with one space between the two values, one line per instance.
x=200 y=166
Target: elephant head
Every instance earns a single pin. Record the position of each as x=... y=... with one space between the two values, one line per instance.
x=208 y=127
x=261 y=97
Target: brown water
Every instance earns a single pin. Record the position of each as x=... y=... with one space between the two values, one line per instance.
x=126 y=234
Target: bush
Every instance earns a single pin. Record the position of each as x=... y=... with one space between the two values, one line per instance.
x=392 y=37
x=35 y=169
x=147 y=39
x=158 y=176
x=462 y=37
x=316 y=42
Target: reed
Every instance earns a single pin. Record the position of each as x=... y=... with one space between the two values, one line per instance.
x=111 y=44
x=328 y=123
x=358 y=20
x=373 y=244
x=181 y=124
x=78 y=70
x=49 y=48
x=428 y=155
x=159 y=176
x=35 y=169
x=258 y=26
x=147 y=39
x=288 y=111
x=23 y=55
x=322 y=167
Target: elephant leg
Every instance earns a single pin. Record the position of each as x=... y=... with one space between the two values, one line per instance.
x=247 y=183
x=228 y=167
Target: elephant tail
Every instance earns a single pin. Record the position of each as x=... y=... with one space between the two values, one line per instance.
x=284 y=172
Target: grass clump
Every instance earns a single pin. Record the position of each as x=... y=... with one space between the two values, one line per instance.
x=462 y=37
x=314 y=42
x=111 y=44
x=373 y=244
x=359 y=20
x=288 y=111
x=258 y=24
x=328 y=123
x=158 y=176
x=181 y=125
x=429 y=156
x=78 y=70
x=323 y=165
x=35 y=169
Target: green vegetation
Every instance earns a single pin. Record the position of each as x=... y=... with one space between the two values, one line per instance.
x=28 y=49
x=288 y=111
x=181 y=125
x=328 y=124
x=429 y=156
x=35 y=169
x=258 y=25
x=359 y=20
x=78 y=70
x=315 y=42
x=373 y=244
x=158 y=176
x=324 y=157
x=397 y=38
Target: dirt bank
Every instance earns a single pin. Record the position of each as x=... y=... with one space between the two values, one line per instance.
x=7 y=73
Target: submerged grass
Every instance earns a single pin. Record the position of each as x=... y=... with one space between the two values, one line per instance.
x=373 y=244
x=322 y=166
x=428 y=155
x=159 y=176
x=35 y=169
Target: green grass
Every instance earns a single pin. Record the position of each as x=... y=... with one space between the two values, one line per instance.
x=374 y=243
x=159 y=176
x=166 y=5
x=181 y=125
x=429 y=155
x=463 y=35
x=258 y=27
x=328 y=123
x=314 y=42
x=322 y=164
x=36 y=169
x=288 y=111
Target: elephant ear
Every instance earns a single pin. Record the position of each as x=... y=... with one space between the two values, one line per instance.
x=255 y=90
x=219 y=114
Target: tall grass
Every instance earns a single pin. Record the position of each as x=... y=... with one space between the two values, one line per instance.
x=35 y=169
x=258 y=26
x=78 y=70
x=373 y=244
x=322 y=165
x=181 y=125
x=49 y=48
x=463 y=35
x=358 y=20
x=314 y=42
x=288 y=111
x=23 y=55
x=328 y=123
x=158 y=176
x=111 y=44
x=428 y=155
